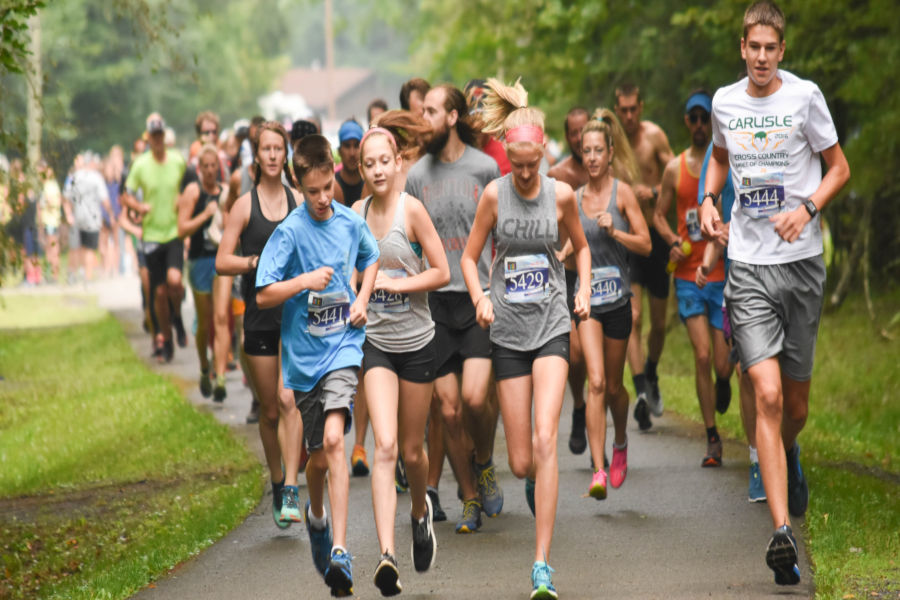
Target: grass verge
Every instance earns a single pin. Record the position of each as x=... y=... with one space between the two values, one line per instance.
x=29 y=310
x=850 y=447
x=108 y=477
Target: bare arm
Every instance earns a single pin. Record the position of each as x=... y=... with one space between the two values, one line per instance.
x=485 y=220
x=276 y=293
x=638 y=241
x=234 y=186
x=567 y=215
x=438 y=273
x=666 y=197
x=188 y=225
x=716 y=173
x=227 y=262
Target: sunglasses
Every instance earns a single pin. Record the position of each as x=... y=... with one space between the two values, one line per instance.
x=702 y=117
x=209 y=132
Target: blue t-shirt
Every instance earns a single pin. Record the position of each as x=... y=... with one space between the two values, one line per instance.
x=316 y=337
x=726 y=197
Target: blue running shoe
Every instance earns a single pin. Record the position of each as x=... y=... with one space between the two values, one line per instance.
x=290 y=505
x=757 y=493
x=488 y=489
x=277 y=497
x=529 y=494
x=781 y=556
x=319 y=543
x=339 y=574
x=541 y=584
x=798 y=490
x=471 y=517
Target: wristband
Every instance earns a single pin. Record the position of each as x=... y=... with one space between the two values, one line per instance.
x=715 y=197
x=810 y=208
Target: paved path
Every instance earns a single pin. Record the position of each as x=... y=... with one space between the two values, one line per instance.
x=674 y=530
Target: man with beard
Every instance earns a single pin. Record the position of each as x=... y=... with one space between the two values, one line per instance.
x=699 y=308
x=572 y=171
x=449 y=181
x=350 y=183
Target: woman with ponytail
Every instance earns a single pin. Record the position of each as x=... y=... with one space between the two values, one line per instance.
x=531 y=217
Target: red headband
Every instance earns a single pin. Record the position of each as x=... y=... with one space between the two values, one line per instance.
x=525 y=133
x=381 y=130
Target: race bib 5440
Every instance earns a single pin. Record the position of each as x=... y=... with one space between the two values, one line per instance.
x=527 y=278
x=606 y=285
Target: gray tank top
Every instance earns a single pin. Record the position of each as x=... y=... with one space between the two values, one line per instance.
x=610 y=284
x=528 y=287
x=399 y=322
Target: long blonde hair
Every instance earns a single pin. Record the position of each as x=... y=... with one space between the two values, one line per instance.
x=624 y=163
x=506 y=107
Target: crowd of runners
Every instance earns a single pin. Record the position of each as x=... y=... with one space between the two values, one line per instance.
x=446 y=273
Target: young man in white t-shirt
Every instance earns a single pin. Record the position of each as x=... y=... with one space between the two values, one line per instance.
x=772 y=128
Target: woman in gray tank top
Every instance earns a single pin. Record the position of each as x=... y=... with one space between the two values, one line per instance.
x=398 y=362
x=613 y=225
x=530 y=215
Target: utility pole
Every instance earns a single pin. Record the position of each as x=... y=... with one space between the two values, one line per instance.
x=329 y=61
x=35 y=79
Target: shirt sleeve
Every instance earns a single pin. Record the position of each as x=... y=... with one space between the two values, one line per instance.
x=819 y=126
x=368 y=248
x=412 y=187
x=718 y=137
x=278 y=259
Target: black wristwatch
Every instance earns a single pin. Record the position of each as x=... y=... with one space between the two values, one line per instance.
x=811 y=208
x=714 y=197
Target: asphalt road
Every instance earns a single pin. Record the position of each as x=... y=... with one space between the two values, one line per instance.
x=673 y=530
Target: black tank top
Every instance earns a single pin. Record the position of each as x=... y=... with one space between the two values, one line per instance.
x=253 y=240
x=201 y=245
x=352 y=193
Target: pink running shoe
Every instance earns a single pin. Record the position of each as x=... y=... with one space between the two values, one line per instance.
x=619 y=467
x=598 y=485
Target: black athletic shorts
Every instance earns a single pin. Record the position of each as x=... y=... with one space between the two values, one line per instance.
x=457 y=335
x=616 y=322
x=509 y=363
x=262 y=343
x=162 y=258
x=571 y=279
x=416 y=366
x=650 y=271
x=89 y=239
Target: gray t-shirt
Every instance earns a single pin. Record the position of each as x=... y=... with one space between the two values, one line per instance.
x=450 y=193
x=87 y=190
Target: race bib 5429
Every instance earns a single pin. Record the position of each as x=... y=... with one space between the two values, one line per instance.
x=527 y=278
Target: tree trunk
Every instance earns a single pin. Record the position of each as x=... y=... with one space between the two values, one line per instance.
x=857 y=250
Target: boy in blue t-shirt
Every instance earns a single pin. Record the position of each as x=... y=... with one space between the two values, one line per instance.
x=307 y=265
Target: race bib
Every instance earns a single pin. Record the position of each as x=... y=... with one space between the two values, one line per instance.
x=527 y=278
x=382 y=301
x=762 y=195
x=692 y=220
x=606 y=285
x=328 y=313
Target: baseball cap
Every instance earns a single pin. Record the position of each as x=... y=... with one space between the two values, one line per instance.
x=350 y=130
x=302 y=128
x=699 y=99
x=155 y=124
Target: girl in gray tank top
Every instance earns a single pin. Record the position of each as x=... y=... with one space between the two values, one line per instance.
x=614 y=226
x=529 y=215
x=398 y=355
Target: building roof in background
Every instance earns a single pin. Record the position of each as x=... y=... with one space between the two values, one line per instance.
x=312 y=84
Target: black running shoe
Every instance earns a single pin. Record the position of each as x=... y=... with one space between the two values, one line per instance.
x=781 y=556
x=642 y=413
x=723 y=395
x=387 y=576
x=205 y=384
x=180 y=333
x=424 y=545
x=439 y=514
x=168 y=351
x=798 y=489
x=577 y=438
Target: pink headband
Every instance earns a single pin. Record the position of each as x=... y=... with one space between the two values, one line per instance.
x=525 y=133
x=381 y=130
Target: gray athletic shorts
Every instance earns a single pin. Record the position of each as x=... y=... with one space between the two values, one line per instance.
x=775 y=310
x=335 y=391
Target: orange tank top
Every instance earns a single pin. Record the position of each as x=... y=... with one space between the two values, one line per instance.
x=689 y=225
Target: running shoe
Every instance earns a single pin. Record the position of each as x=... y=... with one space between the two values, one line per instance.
x=219 y=392
x=319 y=543
x=339 y=573
x=756 y=493
x=723 y=395
x=798 y=489
x=400 y=481
x=781 y=556
x=713 y=456
x=619 y=467
x=358 y=461
x=439 y=514
x=205 y=383
x=654 y=399
x=488 y=490
x=541 y=583
x=471 y=517
x=387 y=576
x=577 y=438
x=180 y=333
x=529 y=494
x=277 y=498
x=598 y=485
x=642 y=412
x=168 y=351
x=290 y=504
x=253 y=415
x=424 y=544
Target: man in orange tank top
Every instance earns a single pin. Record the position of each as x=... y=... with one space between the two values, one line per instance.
x=699 y=309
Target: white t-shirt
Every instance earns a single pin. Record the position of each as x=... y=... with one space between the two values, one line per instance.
x=87 y=191
x=773 y=149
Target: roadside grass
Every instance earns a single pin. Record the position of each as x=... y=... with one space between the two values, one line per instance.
x=27 y=310
x=108 y=477
x=850 y=446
